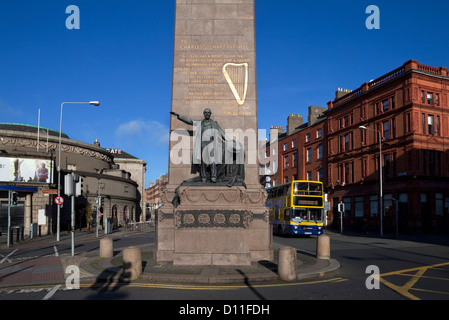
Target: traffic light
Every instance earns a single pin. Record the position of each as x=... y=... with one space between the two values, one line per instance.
x=100 y=201
x=15 y=198
x=79 y=187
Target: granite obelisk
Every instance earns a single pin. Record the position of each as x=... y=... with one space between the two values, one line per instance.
x=214 y=213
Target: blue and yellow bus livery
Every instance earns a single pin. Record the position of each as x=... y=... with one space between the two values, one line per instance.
x=297 y=208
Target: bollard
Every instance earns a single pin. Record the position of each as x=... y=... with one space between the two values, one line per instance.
x=287 y=264
x=323 y=248
x=106 y=247
x=132 y=263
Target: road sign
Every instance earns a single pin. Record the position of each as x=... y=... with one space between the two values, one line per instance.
x=50 y=191
x=59 y=200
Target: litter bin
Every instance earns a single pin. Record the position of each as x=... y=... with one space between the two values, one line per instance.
x=33 y=230
x=108 y=226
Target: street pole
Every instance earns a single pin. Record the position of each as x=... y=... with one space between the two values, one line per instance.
x=9 y=218
x=58 y=215
x=73 y=214
x=381 y=189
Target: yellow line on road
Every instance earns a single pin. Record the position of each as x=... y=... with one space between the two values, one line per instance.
x=203 y=287
x=405 y=289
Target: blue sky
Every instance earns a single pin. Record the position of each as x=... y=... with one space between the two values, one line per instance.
x=122 y=55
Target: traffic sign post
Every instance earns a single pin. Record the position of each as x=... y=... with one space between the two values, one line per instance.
x=59 y=200
x=341 y=209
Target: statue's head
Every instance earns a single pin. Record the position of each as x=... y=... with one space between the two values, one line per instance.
x=207 y=113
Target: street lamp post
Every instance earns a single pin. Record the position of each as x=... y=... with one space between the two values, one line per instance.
x=58 y=217
x=381 y=176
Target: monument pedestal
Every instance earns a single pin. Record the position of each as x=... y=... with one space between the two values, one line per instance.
x=214 y=226
x=217 y=221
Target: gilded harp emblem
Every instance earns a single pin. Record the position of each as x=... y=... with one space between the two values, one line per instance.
x=236 y=75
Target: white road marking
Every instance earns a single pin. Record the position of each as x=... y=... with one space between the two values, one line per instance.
x=6 y=258
x=56 y=251
x=52 y=292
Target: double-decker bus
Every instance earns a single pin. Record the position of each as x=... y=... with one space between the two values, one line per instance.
x=297 y=208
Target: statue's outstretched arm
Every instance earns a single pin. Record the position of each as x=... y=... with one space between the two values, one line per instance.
x=182 y=118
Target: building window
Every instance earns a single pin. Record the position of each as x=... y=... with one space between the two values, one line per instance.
x=285 y=162
x=320 y=175
x=429 y=98
x=294 y=143
x=309 y=175
x=295 y=160
x=319 y=133
x=438 y=126
x=387 y=165
x=285 y=179
x=347 y=142
x=320 y=152
x=386 y=132
x=373 y=208
x=364 y=168
x=385 y=105
x=377 y=135
x=358 y=206
x=422 y=97
x=388 y=205
x=430 y=124
x=407 y=122
x=437 y=99
x=308 y=137
x=346 y=177
x=285 y=147
x=393 y=128
x=347 y=203
x=393 y=102
x=309 y=155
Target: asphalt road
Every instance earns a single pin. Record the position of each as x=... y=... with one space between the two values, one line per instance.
x=407 y=270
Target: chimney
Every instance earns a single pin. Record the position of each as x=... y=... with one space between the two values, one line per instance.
x=293 y=121
x=314 y=113
x=341 y=93
x=275 y=131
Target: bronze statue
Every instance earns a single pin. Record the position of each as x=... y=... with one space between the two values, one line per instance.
x=210 y=151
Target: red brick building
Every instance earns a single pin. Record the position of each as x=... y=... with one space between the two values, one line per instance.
x=301 y=150
x=409 y=107
x=154 y=192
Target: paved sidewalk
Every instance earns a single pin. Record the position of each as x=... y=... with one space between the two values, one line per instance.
x=50 y=269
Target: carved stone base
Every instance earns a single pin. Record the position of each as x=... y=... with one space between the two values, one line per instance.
x=214 y=226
